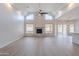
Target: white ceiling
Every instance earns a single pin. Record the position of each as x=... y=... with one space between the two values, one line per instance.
x=53 y=8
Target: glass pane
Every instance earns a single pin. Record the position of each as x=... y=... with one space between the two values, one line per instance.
x=48 y=17
x=60 y=29
x=64 y=29
x=48 y=28
x=71 y=26
x=29 y=28
x=30 y=17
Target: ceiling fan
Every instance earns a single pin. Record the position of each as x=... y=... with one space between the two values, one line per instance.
x=41 y=12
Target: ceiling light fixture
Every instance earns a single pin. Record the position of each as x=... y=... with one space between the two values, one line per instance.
x=40 y=11
x=9 y=5
x=71 y=5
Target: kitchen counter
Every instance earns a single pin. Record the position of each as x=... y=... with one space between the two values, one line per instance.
x=75 y=37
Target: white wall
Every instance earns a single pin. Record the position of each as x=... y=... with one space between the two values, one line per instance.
x=76 y=34
x=11 y=26
x=77 y=26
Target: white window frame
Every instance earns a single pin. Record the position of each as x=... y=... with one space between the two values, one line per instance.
x=29 y=29
x=30 y=17
x=48 y=17
x=49 y=28
x=71 y=28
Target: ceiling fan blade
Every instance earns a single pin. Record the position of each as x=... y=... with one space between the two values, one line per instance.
x=44 y=13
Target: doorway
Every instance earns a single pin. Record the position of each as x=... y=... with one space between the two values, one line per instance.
x=64 y=29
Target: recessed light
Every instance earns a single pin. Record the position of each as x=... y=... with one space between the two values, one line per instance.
x=9 y=5
x=71 y=5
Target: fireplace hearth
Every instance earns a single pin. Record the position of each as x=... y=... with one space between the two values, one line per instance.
x=39 y=30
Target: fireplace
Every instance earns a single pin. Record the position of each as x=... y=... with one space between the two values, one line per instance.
x=39 y=30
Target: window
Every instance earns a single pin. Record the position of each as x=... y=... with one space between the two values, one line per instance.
x=48 y=17
x=71 y=28
x=30 y=17
x=48 y=28
x=62 y=29
x=29 y=28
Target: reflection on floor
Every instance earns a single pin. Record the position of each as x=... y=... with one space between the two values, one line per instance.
x=42 y=46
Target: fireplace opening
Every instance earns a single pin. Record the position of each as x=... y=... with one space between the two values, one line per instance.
x=39 y=31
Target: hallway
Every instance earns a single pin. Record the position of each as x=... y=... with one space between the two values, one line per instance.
x=44 y=46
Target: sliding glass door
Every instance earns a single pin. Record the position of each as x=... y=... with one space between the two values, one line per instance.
x=62 y=30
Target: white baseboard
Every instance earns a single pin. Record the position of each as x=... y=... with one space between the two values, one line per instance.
x=19 y=37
